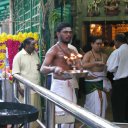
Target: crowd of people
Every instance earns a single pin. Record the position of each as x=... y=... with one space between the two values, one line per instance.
x=96 y=82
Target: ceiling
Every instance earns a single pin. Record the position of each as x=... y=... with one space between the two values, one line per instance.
x=4 y=9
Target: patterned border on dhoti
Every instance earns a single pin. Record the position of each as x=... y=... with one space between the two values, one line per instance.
x=91 y=86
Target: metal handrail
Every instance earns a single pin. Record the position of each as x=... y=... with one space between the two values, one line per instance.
x=80 y=113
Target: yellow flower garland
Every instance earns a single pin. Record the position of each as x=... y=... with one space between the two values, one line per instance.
x=3 y=47
x=2 y=56
x=18 y=37
x=2 y=65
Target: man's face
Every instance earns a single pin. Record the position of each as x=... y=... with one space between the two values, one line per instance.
x=31 y=46
x=65 y=35
x=97 y=45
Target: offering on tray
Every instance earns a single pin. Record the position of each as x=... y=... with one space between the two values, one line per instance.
x=72 y=73
x=72 y=59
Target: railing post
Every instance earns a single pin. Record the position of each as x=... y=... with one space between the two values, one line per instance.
x=26 y=100
x=14 y=91
x=50 y=117
x=26 y=95
x=4 y=96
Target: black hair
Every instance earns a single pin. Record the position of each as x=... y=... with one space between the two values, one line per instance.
x=121 y=38
x=21 y=46
x=126 y=34
x=62 y=25
x=27 y=41
x=91 y=39
x=94 y=38
x=111 y=43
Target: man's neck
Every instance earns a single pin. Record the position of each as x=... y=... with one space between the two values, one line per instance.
x=64 y=45
x=96 y=52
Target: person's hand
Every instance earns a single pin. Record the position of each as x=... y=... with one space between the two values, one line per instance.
x=69 y=62
x=90 y=77
x=100 y=63
x=38 y=67
x=21 y=91
x=58 y=70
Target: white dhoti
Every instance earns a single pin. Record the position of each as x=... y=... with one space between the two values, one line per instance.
x=96 y=101
x=94 y=104
x=65 y=89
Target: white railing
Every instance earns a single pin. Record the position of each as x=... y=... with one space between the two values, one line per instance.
x=52 y=99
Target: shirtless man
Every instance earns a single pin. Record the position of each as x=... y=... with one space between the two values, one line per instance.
x=56 y=63
x=94 y=61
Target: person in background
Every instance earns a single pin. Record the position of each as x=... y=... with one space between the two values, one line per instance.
x=55 y=63
x=108 y=47
x=126 y=34
x=26 y=63
x=117 y=64
x=96 y=82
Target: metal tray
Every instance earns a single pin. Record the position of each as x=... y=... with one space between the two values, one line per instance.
x=121 y=125
x=72 y=73
x=76 y=72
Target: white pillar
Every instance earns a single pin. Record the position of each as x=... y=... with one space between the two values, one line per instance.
x=11 y=18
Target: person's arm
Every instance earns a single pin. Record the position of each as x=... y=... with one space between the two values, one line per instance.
x=21 y=91
x=113 y=62
x=87 y=64
x=47 y=66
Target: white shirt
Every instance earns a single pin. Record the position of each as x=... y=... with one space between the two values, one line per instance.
x=26 y=65
x=117 y=62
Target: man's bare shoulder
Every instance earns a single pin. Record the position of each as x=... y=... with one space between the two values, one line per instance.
x=53 y=50
x=88 y=54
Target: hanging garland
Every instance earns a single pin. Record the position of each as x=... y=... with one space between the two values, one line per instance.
x=12 y=46
x=12 y=42
x=2 y=50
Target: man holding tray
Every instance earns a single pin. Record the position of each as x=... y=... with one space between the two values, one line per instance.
x=59 y=59
x=96 y=82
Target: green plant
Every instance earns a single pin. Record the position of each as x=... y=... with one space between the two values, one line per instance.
x=54 y=18
x=126 y=2
x=93 y=7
